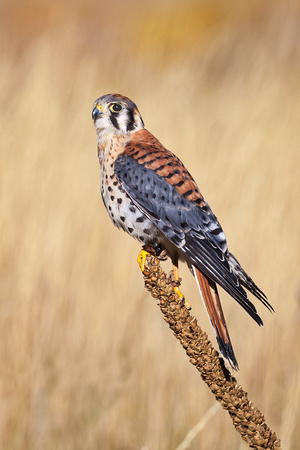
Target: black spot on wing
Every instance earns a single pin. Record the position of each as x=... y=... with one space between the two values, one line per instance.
x=171 y=174
x=179 y=184
x=187 y=193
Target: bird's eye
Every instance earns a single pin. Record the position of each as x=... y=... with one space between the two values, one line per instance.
x=115 y=107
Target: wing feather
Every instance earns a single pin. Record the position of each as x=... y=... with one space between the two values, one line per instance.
x=189 y=227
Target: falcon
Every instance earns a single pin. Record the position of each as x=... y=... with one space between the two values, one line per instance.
x=149 y=193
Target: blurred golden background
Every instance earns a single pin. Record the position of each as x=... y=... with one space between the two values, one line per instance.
x=86 y=359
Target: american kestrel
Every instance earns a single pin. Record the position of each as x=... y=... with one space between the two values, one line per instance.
x=149 y=193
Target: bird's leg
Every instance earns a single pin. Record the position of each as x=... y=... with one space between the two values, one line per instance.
x=174 y=275
x=156 y=250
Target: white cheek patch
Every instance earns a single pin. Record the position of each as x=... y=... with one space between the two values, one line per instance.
x=122 y=119
x=102 y=122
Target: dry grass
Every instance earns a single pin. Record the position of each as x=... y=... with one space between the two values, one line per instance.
x=86 y=360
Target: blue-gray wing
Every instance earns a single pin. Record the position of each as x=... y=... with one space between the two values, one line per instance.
x=194 y=230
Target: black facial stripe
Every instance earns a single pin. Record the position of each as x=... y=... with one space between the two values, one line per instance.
x=130 y=122
x=114 y=121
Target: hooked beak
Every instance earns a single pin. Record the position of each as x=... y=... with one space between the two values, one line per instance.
x=97 y=111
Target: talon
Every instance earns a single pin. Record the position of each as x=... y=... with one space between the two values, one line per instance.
x=182 y=298
x=142 y=259
x=187 y=305
x=158 y=248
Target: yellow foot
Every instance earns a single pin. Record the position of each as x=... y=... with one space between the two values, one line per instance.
x=181 y=296
x=175 y=280
x=142 y=259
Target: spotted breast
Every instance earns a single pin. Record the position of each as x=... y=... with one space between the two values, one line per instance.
x=121 y=209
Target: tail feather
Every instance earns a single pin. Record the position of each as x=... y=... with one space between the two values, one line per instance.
x=211 y=300
x=246 y=281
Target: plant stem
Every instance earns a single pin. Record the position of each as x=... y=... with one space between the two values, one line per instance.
x=246 y=418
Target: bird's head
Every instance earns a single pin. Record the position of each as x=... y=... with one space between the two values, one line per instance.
x=114 y=113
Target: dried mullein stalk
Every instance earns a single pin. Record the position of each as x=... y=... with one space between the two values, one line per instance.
x=246 y=418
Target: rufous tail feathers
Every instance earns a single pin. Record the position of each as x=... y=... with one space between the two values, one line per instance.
x=211 y=300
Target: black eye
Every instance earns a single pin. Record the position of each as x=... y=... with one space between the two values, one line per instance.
x=115 y=107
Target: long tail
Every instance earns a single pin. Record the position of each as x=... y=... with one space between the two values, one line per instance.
x=211 y=300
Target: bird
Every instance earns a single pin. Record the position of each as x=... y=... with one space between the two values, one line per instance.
x=149 y=194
